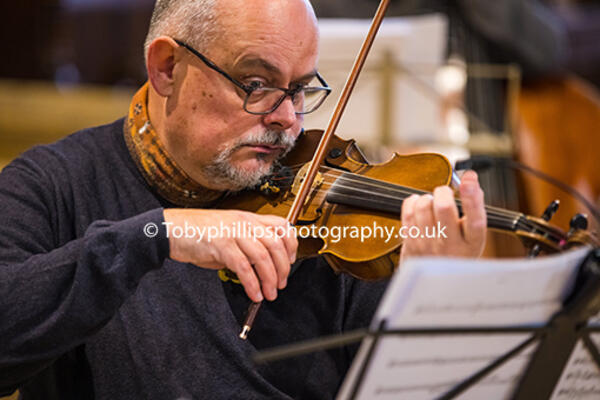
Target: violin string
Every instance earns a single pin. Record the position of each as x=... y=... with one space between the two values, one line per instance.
x=357 y=178
x=490 y=213
x=370 y=181
x=348 y=176
x=401 y=190
x=491 y=218
x=493 y=213
x=493 y=222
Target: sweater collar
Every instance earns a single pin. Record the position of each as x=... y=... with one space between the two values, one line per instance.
x=158 y=168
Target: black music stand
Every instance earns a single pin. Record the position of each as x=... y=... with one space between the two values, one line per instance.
x=556 y=341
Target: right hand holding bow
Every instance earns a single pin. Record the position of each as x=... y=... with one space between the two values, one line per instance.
x=261 y=262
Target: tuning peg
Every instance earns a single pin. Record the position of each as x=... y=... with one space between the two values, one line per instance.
x=546 y=216
x=551 y=210
x=578 y=222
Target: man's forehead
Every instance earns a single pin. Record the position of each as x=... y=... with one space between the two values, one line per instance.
x=257 y=62
x=276 y=36
x=265 y=8
x=271 y=15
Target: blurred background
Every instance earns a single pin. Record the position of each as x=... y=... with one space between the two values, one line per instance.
x=510 y=80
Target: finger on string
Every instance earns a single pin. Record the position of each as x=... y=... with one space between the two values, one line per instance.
x=474 y=219
x=446 y=212
x=408 y=219
x=425 y=220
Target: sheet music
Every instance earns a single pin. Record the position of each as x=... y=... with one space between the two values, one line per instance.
x=442 y=292
x=581 y=378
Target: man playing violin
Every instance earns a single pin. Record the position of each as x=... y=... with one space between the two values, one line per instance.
x=97 y=301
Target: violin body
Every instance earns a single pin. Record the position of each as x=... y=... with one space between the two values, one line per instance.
x=374 y=257
x=352 y=196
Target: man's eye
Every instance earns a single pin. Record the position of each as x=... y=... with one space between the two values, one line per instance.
x=256 y=84
x=299 y=85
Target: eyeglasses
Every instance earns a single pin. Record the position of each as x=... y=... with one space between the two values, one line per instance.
x=264 y=100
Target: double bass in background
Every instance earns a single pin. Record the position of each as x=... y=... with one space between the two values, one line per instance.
x=559 y=123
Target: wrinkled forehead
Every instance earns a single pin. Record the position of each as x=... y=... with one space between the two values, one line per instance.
x=284 y=29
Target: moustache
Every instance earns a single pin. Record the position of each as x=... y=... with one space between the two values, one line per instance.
x=269 y=137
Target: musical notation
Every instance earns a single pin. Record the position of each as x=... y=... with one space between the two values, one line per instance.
x=455 y=293
x=430 y=309
x=426 y=367
x=581 y=377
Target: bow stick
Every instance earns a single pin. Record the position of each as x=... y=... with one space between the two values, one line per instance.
x=319 y=156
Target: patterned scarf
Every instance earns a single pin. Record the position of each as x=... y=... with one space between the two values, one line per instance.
x=161 y=172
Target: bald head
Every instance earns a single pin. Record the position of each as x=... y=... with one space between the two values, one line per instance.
x=201 y=22
x=271 y=14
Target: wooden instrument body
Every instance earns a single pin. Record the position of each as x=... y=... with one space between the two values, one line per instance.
x=371 y=258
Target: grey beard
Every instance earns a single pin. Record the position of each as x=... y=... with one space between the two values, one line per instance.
x=223 y=173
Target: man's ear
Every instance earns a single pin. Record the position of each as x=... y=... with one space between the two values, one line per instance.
x=162 y=57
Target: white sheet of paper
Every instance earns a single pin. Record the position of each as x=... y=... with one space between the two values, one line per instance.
x=580 y=379
x=442 y=292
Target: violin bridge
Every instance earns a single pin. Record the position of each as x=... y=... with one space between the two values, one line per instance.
x=299 y=179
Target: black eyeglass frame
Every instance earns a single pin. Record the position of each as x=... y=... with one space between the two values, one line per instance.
x=249 y=89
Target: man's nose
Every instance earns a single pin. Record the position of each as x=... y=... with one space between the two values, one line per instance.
x=283 y=116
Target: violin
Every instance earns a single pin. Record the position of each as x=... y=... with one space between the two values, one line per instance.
x=350 y=192
x=327 y=182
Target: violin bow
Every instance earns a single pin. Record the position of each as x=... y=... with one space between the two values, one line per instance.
x=319 y=156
